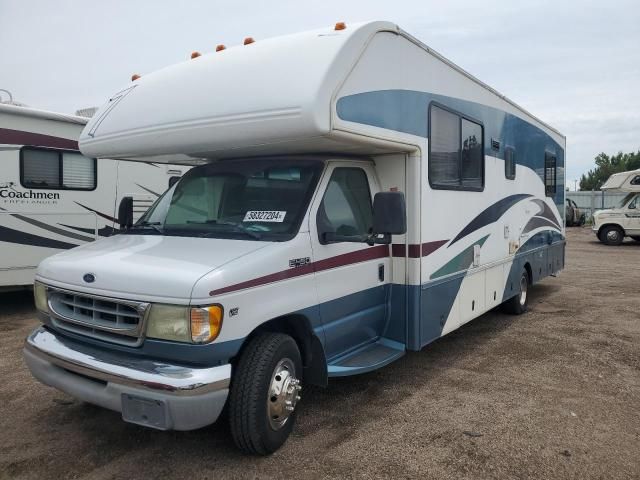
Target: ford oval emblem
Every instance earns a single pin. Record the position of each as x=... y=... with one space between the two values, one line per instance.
x=89 y=277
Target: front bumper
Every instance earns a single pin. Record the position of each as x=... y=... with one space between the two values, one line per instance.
x=146 y=392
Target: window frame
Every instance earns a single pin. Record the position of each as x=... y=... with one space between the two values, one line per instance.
x=460 y=116
x=550 y=155
x=511 y=149
x=324 y=194
x=60 y=152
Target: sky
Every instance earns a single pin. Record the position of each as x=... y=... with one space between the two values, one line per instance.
x=574 y=64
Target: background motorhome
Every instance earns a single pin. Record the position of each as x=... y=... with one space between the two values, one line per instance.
x=53 y=198
x=622 y=220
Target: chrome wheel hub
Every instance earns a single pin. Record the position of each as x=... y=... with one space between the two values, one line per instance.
x=613 y=235
x=283 y=393
x=524 y=285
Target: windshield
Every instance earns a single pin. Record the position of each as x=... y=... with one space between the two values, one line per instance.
x=254 y=199
x=627 y=198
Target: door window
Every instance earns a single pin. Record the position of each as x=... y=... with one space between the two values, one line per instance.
x=346 y=206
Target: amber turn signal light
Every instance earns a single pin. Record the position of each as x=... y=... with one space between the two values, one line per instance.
x=220 y=47
x=248 y=41
x=340 y=26
x=195 y=55
x=135 y=77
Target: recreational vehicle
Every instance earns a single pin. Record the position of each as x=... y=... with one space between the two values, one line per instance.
x=612 y=225
x=362 y=196
x=53 y=198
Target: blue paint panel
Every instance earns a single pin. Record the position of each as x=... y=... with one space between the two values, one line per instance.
x=353 y=320
x=436 y=302
x=407 y=111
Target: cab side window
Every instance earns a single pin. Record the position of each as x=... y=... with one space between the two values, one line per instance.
x=346 y=208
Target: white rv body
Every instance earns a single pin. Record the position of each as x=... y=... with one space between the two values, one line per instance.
x=39 y=222
x=484 y=204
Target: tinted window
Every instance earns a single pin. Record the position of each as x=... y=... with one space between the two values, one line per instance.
x=346 y=206
x=550 y=174
x=471 y=155
x=57 y=170
x=445 y=148
x=635 y=180
x=509 y=163
x=456 y=151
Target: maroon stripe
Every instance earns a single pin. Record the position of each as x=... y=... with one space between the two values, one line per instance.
x=381 y=251
x=18 y=137
x=416 y=250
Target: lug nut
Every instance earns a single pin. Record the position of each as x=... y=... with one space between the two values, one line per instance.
x=297 y=397
x=289 y=408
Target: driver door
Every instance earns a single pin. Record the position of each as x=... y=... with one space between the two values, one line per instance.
x=632 y=217
x=352 y=278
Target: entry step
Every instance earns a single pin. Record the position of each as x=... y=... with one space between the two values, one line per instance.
x=367 y=358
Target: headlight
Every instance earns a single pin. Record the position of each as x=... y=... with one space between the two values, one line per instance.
x=184 y=324
x=40 y=297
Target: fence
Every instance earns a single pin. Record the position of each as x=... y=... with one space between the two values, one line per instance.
x=590 y=202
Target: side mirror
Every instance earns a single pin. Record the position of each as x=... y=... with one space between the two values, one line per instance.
x=389 y=214
x=125 y=212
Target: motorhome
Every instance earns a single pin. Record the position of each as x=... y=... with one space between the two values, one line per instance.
x=52 y=197
x=612 y=225
x=362 y=196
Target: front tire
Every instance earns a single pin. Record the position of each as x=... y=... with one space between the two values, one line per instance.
x=611 y=235
x=519 y=304
x=264 y=393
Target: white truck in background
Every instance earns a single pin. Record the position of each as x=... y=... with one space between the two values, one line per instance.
x=614 y=224
x=53 y=198
x=361 y=197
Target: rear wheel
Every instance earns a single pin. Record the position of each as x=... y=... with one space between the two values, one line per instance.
x=518 y=305
x=264 y=393
x=611 y=235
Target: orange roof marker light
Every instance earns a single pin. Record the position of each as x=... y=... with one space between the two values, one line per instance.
x=340 y=26
x=135 y=77
x=195 y=55
x=220 y=47
x=248 y=41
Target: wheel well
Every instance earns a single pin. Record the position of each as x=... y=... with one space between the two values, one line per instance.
x=299 y=328
x=615 y=225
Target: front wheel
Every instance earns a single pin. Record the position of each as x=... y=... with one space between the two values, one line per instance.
x=518 y=305
x=264 y=392
x=611 y=235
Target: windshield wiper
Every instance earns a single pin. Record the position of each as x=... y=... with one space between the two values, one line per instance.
x=154 y=225
x=240 y=228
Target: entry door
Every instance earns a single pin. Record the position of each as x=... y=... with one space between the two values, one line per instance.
x=632 y=217
x=352 y=278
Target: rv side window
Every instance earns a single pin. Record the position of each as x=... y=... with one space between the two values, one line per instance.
x=550 y=174
x=56 y=170
x=456 y=151
x=635 y=180
x=510 y=163
x=346 y=206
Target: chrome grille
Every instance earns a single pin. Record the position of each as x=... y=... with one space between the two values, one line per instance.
x=114 y=320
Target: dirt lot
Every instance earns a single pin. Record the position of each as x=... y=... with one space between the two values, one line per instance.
x=552 y=394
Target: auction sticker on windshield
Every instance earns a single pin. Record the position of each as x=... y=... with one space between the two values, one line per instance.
x=264 y=216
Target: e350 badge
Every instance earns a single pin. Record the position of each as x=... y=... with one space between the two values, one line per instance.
x=299 y=262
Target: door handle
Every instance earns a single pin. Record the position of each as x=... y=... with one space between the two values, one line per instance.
x=381 y=272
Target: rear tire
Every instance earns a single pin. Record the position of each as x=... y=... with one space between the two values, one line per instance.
x=611 y=235
x=264 y=392
x=518 y=305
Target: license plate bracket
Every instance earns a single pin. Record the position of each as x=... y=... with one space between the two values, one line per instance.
x=147 y=412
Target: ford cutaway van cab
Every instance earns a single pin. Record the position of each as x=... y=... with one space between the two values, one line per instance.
x=358 y=196
x=614 y=224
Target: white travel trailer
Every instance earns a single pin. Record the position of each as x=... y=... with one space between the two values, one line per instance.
x=612 y=225
x=52 y=197
x=363 y=197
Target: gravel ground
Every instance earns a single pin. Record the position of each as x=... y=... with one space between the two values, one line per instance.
x=551 y=394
